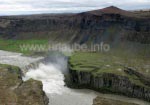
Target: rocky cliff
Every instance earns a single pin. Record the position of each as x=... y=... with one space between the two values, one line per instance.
x=103 y=73
x=109 y=82
x=109 y=24
x=16 y=92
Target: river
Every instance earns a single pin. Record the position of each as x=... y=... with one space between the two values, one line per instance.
x=52 y=76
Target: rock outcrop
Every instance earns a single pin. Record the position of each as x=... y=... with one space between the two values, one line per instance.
x=143 y=78
x=16 y=92
x=110 y=82
x=106 y=24
x=104 y=101
x=31 y=93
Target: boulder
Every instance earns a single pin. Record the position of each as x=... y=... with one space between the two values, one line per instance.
x=105 y=101
x=16 y=92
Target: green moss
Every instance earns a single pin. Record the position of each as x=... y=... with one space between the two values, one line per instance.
x=100 y=63
x=10 y=67
x=11 y=74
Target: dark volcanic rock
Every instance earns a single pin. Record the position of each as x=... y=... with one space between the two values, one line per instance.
x=143 y=78
x=106 y=24
x=109 y=82
x=111 y=10
x=13 y=91
x=104 y=101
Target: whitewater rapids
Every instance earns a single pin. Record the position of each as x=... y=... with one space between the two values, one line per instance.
x=52 y=76
x=16 y=59
x=54 y=86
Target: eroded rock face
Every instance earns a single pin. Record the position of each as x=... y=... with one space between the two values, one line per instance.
x=13 y=91
x=104 y=101
x=109 y=82
x=80 y=28
x=31 y=93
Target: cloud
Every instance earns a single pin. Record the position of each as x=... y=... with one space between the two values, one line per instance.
x=13 y=7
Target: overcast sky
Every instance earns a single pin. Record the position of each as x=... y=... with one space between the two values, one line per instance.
x=15 y=7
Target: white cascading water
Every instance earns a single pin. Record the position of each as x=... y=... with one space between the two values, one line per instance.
x=51 y=75
x=54 y=86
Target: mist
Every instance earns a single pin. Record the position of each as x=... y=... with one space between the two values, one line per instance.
x=51 y=73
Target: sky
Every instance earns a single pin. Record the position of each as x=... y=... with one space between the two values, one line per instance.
x=19 y=7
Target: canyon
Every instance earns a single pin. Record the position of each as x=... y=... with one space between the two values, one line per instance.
x=110 y=24
x=124 y=70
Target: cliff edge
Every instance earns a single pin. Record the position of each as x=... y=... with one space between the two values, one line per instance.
x=102 y=73
x=16 y=92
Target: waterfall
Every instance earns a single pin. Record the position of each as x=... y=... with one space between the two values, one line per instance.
x=51 y=77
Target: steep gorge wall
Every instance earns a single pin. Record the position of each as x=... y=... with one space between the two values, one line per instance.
x=109 y=82
x=80 y=28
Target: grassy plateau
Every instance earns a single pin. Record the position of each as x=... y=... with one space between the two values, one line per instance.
x=99 y=63
x=15 y=45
